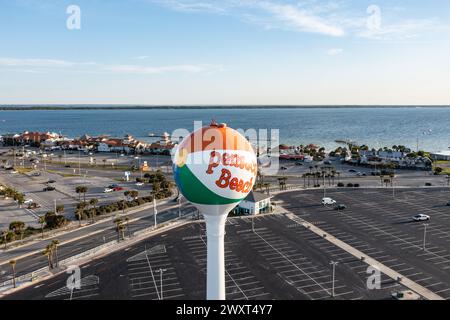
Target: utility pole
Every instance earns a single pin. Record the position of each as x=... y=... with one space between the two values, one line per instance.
x=161 y=282
x=79 y=162
x=179 y=206
x=424 y=235
x=334 y=264
x=155 y=212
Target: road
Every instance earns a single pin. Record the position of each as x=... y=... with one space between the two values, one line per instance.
x=104 y=232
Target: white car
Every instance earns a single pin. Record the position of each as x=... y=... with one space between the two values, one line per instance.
x=139 y=184
x=28 y=201
x=14 y=172
x=108 y=190
x=421 y=217
x=328 y=201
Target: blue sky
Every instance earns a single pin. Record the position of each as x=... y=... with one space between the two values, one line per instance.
x=190 y=52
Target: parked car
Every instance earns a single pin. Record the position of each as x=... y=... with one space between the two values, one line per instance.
x=340 y=207
x=361 y=174
x=34 y=205
x=112 y=186
x=328 y=201
x=421 y=217
x=298 y=163
x=352 y=170
x=139 y=184
x=283 y=168
x=67 y=166
x=327 y=162
x=118 y=189
x=14 y=172
x=108 y=190
x=51 y=181
x=28 y=201
x=48 y=189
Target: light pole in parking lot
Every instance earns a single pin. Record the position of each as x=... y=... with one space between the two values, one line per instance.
x=334 y=264
x=425 y=225
x=155 y=212
x=161 y=282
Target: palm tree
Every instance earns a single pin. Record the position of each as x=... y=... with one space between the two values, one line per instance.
x=20 y=198
x=81 y=190
x=59 y=209
x=17 y=227
x=48 y=252
x=54 y=245
x=267 y=185
x=92 y=213
x=13 y=267
x=127 y=220
x=42 y=222
x=93 y=202
x=134 y=194
x=119 y=228
x=5 y=237
x=80 y=211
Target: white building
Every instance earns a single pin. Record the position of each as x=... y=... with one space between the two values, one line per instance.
x=255 y=203
x=441 y=155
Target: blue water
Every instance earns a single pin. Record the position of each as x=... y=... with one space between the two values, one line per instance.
x=376 y=127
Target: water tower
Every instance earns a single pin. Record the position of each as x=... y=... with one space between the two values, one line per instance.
x=215 y=168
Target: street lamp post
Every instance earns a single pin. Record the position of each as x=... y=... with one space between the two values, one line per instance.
x=425 y=225
x=161 y=282
x=334 y=264
x=155 y=212
x=179 y=206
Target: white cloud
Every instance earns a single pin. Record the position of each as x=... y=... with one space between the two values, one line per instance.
x=136 y=69
x=41 y=63
x=193 y=5
x=334 y=18
x=335 y=52
x=141 y=57
x=90 y=67
x=301 y=20
x=270 y=14
x=402 y=30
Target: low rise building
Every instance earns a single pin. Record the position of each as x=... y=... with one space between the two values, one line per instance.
x=441 y=155
x=255 y=203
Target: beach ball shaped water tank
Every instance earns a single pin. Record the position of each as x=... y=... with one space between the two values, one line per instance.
x=215 y=168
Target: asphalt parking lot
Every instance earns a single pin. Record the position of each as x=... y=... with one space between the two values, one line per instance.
x=276 y=260
x=379 y=224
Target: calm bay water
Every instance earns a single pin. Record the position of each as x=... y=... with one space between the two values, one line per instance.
x=376 y=127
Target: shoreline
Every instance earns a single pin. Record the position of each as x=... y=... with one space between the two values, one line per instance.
x=29 y=107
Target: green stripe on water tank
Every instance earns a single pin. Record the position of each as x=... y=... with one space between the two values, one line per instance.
x=195 y=191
